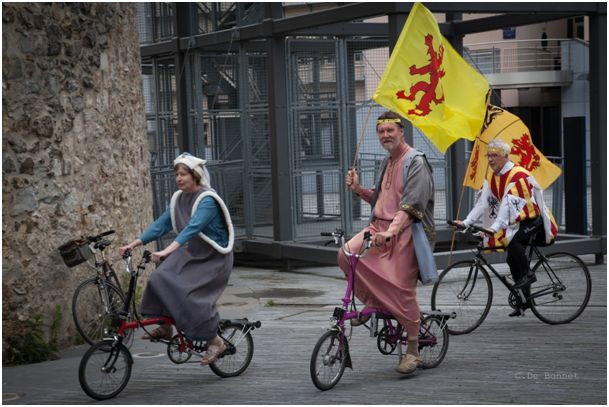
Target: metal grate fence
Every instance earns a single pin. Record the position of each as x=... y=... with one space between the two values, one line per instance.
x=332 y=83
x=330 y=88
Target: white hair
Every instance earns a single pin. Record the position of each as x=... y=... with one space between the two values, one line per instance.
x=500 y=145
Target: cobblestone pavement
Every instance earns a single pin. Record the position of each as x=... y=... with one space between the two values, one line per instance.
x=506 y=360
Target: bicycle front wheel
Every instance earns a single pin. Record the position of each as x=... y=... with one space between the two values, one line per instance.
x=433 y=341
x=465 y=289
x=562 y=290
x=239 y=354
x=105 y=369
x=329 y=359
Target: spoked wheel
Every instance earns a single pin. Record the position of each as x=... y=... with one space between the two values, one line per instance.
x=95 y=307
x=178 y=353
x=329 y=359
x=105 y=369
x=562 y=290
x=240 y=349
x=465 y=289
x=433 y=341
x=386 y=340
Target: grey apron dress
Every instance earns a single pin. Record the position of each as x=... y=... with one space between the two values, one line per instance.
x=187 y=285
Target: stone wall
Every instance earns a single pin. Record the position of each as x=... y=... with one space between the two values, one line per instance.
x=74 y=148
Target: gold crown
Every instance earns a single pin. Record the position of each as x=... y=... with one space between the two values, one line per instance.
x=382 y=121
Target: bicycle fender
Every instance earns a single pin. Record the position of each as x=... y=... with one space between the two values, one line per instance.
x=348 y=360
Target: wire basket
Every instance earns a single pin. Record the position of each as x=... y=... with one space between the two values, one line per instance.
x=75 y=252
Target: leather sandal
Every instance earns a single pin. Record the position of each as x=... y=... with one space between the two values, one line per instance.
x=360 y=321
x=409 y=364
x=162 y=332
x=212 y=354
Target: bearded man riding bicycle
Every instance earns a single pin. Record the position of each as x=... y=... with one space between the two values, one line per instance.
x=512 y=203
x=402 y=224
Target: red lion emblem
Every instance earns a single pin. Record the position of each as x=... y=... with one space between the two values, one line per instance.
x=525 y=150
x=476 y=155
x=429 y=88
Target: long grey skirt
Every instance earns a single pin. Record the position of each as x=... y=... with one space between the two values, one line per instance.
x=186 y=287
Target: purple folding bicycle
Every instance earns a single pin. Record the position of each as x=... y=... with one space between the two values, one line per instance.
x=331 y=353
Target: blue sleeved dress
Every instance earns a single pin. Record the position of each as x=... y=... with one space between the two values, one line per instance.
x=187 y=285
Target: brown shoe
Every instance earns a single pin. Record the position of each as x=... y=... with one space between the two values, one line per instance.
x=162 y=332
x=360 y=321
x=409 y=364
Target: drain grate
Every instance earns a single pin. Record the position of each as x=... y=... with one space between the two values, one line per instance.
x=148 y=355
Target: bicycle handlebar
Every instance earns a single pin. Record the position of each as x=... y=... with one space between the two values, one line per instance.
x=471 y=227
x=146 y=258
x=96 y=238
x=339 y=238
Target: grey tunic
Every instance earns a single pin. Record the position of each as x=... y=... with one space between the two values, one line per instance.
x=187 y=285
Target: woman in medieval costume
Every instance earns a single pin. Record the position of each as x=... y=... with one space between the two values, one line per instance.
x=188 y=283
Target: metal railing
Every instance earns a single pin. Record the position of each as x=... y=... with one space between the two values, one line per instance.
x=520 y=55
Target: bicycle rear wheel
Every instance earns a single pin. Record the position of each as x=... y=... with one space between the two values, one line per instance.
x=329 y=359
x=239 y=354
x=465 y=289
x=105 y=369
x=562 y=290
x=95 y=309
x=433 y=341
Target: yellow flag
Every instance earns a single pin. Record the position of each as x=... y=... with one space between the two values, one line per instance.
x=503 y=125
x=427 y=82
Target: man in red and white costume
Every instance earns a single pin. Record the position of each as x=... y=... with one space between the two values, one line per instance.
x=512 y=206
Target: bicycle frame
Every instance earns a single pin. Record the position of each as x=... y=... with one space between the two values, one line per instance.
x=481 y=262
x=134 y=324
x=341 y=314
x=160 y=320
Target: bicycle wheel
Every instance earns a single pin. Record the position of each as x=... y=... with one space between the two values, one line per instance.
x=562 y=290
x=433 y=341
x=465 y=289
x=178 y=353
x=329 y=359
x=239 y=354
x=105 y=369
x=94 y=310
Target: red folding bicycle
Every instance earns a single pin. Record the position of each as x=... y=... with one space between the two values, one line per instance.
x=105 y=368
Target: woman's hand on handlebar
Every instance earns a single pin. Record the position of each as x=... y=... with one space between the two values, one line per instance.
x=158 y=257
x=123 y=249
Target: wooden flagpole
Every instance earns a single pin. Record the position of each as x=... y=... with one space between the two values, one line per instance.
x=361 y=138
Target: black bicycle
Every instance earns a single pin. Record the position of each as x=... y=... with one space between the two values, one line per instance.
x=97 y=300
x=560 y=294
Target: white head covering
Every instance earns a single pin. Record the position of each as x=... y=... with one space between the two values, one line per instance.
x=197 y=165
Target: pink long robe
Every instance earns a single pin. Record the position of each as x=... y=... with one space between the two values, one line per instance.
x=387 y=276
